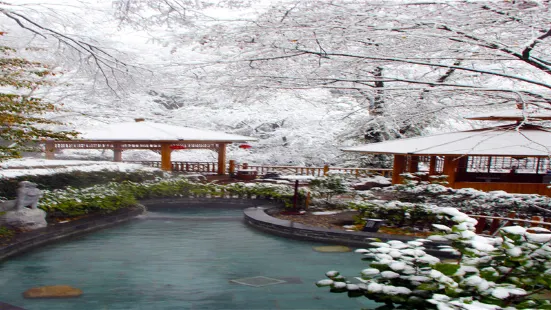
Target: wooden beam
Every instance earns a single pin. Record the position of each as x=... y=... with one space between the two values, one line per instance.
x=398 y=168
x=221 y=158
x=166 y=163
x=49 y=149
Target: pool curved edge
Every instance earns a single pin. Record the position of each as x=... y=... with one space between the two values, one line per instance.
x=258 y=218
x=42 y=236
x=54 y=232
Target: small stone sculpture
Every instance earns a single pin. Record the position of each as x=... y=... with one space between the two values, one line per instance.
x=23 y=217
x=27 y=195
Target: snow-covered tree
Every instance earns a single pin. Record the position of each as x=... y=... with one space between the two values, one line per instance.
x=405 y=61
x=409 y=63
x=72 y=38
x=21 y=110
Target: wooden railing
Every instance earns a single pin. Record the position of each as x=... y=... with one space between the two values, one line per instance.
x=263 y=169
x=317 y=171
x=521 y=188
x=488 y=224
x=194 y=166
x=186 y=166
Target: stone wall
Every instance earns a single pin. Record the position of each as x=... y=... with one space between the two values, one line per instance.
x=259 y=218
x=36 y=238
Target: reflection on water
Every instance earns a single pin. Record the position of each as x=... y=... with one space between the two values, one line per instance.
x=173 y=217
x=180 y=260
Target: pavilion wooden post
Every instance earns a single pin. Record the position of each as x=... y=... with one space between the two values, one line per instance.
x=221 y=158
x=49 y=149
x=398 y=168
x=232 y=167
x=432 y=165
x=450 y=169
x=166 y=163
x=117 y=153
x=413 y=164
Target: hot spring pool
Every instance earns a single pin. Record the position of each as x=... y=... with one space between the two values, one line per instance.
x=180 y=259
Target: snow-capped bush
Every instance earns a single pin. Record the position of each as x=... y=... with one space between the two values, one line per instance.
x=505 y=272
x=330 y=185
x=104 y=198
x=465 y=199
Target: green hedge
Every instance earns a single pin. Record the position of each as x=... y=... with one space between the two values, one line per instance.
x=74 y=202
x=75 y=179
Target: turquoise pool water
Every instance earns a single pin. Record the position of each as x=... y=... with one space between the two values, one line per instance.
x=180 y=259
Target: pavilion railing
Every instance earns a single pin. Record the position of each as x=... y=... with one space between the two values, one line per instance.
x=209 y=167
x=185 y=166
x=317 y=171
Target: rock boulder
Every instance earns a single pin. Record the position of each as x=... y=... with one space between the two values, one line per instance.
x=54 y=291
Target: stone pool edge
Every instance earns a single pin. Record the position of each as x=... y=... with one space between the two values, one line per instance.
x=259 y=218
x=40 y=237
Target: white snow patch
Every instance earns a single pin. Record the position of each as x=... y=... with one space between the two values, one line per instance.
x=325 y=212
x=389 y=274
x=515 y=230
x=370 y=272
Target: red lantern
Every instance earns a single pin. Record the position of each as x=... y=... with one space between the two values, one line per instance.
x=245 y=146
x=177 y=147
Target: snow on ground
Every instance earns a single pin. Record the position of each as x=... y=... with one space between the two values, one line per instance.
x=33 y=166
x=375 y=179
x=326 y=212
x=298 y=177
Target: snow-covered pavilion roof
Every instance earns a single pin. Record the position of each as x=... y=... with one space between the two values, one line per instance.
x=508 y=140
x=149 y=131
x=513 y=115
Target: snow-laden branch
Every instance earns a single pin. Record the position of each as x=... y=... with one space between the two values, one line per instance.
x=423 y=63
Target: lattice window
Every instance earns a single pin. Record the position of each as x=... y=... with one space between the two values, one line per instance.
x=503 y=164
x=424 y=163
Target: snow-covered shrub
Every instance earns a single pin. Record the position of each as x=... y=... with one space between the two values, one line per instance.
x=330 y=185
x=412 y=179
x=505 y=272
x=467 y=199
x=439 y=179
x=73 y=202
x=397 y=213
x=75 y=179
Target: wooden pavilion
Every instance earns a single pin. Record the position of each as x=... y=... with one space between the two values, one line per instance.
x=162 y=138
x=514 y=158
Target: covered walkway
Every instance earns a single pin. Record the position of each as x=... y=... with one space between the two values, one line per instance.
x=161 y=138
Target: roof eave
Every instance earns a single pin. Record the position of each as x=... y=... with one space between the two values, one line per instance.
x=441 y=154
